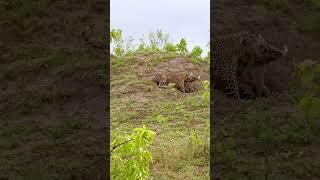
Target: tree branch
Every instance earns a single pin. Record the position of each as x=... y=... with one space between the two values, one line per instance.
x=114 y=147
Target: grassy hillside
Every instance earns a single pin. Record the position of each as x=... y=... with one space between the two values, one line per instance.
x=180 y=120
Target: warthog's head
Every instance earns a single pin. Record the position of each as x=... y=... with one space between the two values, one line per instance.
x=262 y=51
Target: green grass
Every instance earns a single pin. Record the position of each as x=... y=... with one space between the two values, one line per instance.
x=25 y=8
x=314 y=4
x=50 y=149
x=276 y=5
x=43 y=134
x=29 y=133
x=60 y=131
x=307 y=23
x=53 y=62
x=136 y=101
x=267 y=137
x=310 y=23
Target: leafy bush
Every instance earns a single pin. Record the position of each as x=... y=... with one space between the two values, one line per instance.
x=170 y=48
x=130 y=155
x=116 y=35
x=182 y=47
x=196 y=52
x=158 y=39
x=141 y=46
x=157 y=42
x=116 y=38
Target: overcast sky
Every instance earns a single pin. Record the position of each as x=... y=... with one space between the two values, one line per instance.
x=187 y=19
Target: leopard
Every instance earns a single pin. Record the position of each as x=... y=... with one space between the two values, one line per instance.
x=241 y=58
x=181 y=79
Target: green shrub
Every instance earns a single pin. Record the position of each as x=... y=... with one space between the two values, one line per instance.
x=130 y=155
x=116 y=35
x=170 y=48
x=182 y=47
x=196 y=52
x=116 y=39
x=157 y=42
x=158 y=39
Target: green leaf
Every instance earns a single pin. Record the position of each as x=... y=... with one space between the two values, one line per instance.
x=132 y=159
x=182 y=46
x=196 y=52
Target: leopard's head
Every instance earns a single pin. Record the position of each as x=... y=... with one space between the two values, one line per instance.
x=262 y=51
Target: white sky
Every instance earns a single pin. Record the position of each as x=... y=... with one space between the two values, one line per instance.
x=189 y=19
